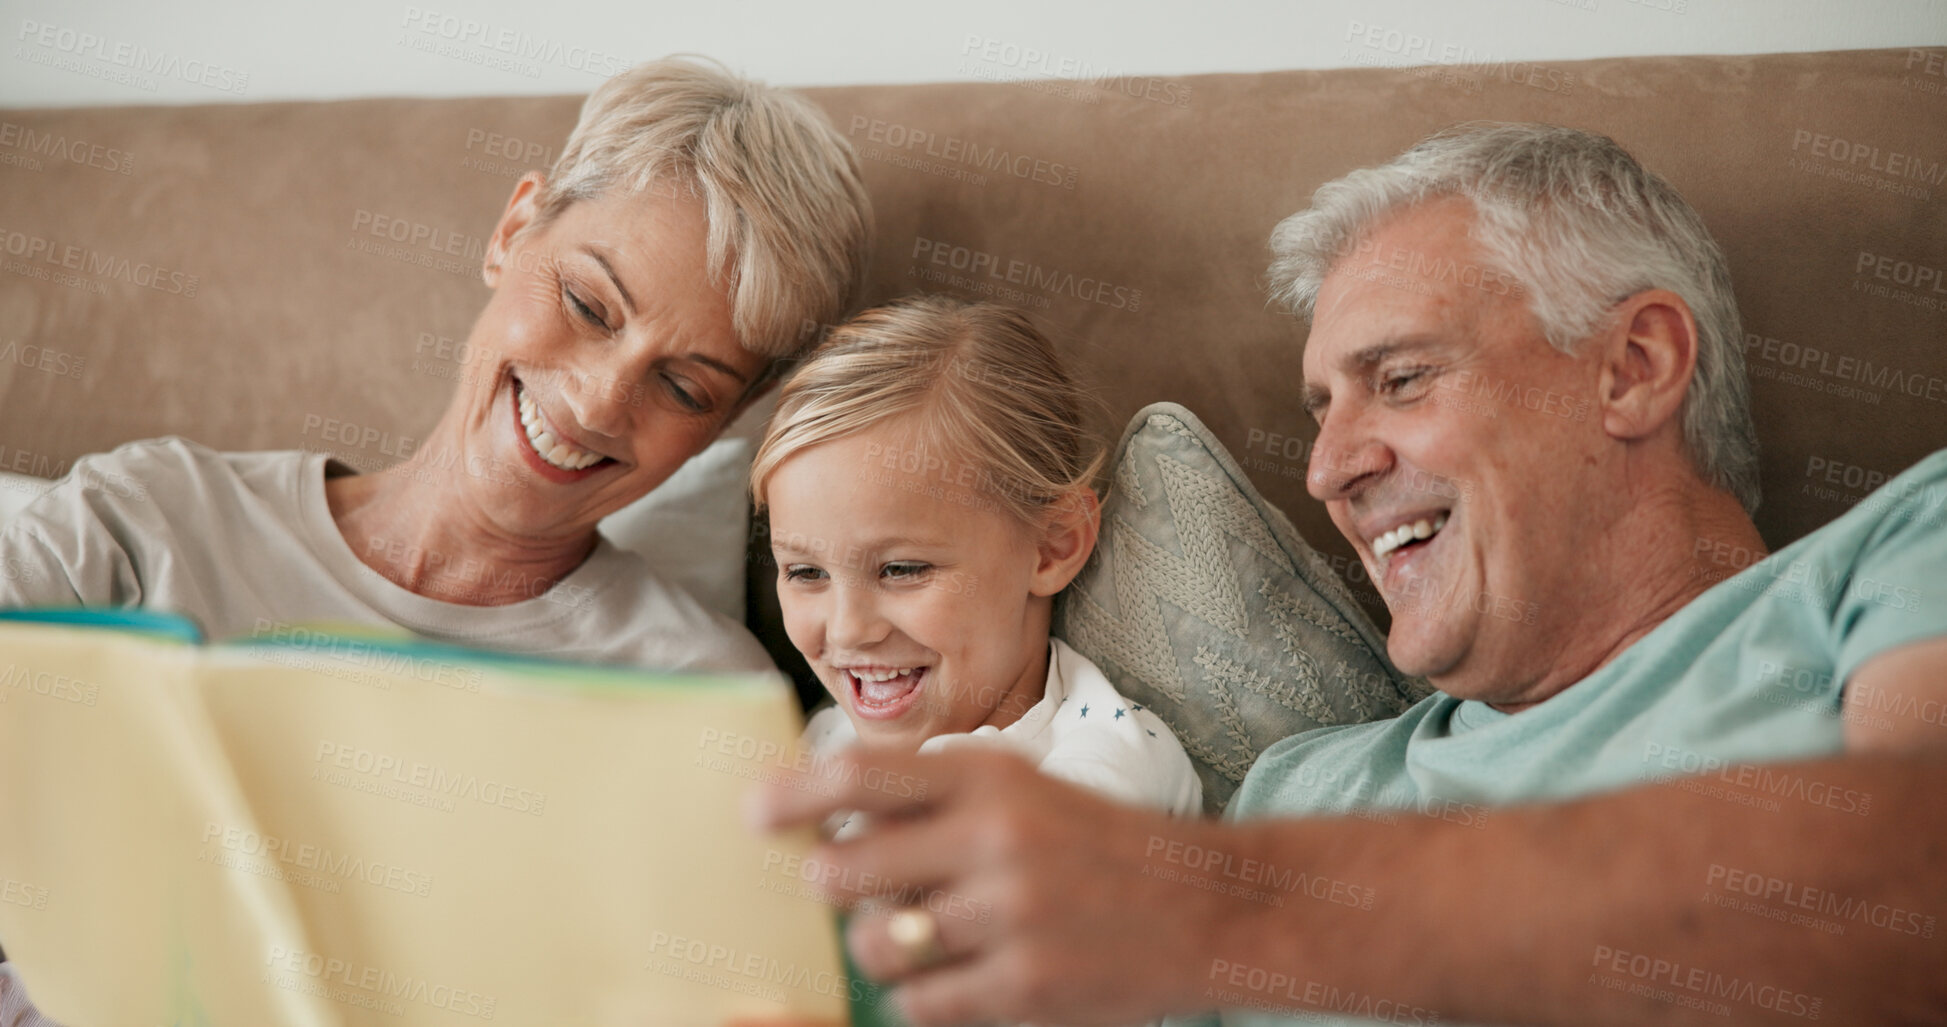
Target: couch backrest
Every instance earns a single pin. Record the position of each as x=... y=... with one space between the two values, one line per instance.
x=242 y=274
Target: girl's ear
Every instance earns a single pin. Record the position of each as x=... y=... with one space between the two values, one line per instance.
x=1067 y=538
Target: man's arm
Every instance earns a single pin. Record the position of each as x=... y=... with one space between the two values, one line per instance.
x=1757 y=900
x=1897 y=701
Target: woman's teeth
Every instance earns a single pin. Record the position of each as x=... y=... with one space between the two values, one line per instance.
x=553 y=450
x=881 y=675
x=1420 y=529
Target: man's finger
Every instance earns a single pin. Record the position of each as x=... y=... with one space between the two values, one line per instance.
x=901 y=860
x=972 y=990
x=860 y=779
x=879 y=952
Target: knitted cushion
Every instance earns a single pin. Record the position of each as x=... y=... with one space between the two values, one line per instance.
x=1202 y=603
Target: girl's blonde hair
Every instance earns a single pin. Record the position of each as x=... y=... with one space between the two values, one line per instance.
x=986 y=389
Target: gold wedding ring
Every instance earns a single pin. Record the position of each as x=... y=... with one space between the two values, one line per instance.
x=917 y=935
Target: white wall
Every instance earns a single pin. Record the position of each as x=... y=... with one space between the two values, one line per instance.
x=73 y=52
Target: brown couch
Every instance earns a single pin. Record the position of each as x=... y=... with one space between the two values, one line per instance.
x=226 y=272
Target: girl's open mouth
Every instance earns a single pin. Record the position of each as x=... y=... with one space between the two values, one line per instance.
x=883 y=693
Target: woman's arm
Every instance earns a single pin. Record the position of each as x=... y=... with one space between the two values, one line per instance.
x=60 y=551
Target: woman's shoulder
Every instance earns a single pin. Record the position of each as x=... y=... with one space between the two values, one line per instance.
x=169 y=458
x=150 y=476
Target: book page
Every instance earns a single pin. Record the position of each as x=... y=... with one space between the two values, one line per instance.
x=373 y=835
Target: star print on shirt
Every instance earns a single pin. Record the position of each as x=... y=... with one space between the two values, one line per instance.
x=1118 y=714
x=1084 y=709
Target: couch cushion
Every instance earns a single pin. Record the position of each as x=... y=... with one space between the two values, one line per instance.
x=1203 y=603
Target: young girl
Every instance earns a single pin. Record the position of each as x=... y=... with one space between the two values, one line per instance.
x=927 y=475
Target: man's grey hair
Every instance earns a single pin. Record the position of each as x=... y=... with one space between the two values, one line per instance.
x=1581 y=226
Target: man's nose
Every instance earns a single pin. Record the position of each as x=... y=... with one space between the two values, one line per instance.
x=1345 y=457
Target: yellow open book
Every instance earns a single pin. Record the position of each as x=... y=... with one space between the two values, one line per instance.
x=328 y=830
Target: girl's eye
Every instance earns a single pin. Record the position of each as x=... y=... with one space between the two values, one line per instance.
x=583 y=310
x=802 y=572
x=679 y=391
x=905 y=570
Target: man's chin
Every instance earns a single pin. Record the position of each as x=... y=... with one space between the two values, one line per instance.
x=1417 y=655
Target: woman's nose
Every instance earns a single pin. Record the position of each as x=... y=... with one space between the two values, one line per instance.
x=602 y=402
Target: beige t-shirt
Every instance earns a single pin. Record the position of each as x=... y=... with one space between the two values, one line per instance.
x=244 y=544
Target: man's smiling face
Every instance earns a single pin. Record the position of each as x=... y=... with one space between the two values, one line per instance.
x=1458 y=451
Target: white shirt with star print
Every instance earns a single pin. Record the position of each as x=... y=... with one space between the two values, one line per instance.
x=1082 y=731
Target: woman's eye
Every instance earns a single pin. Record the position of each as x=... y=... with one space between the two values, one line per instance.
x=802 y=572
x=904 y=570
x=681 y=391
x=583 y=310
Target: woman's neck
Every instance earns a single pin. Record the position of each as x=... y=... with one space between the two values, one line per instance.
x=415 y=534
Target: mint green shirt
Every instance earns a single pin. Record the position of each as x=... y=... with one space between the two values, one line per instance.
x=1750 y=673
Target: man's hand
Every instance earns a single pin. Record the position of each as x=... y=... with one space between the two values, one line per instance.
x=1052 y=904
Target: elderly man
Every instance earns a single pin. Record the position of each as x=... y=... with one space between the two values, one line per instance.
x=1794 y=871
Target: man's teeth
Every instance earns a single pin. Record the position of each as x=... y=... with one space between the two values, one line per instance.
x=880 y=675
x=1420 y=529
x=553 y=450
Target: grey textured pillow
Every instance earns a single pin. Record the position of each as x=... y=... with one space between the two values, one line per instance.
x=1202 y=603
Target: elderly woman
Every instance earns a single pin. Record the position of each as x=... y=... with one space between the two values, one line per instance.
x=644 y=292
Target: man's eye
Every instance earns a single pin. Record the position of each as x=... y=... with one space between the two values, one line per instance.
x=802 y=572
x=1394 y=381
x=904 y=570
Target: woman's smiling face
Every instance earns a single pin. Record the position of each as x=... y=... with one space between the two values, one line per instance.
x=604 y=360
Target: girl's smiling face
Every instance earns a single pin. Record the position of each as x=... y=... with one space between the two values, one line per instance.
x=922 y=603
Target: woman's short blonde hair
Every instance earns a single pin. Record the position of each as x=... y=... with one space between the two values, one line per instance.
x=984 y=389
x=790 y=223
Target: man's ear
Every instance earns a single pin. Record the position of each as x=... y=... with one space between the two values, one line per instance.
x=1067 y=538
x=1648 y=358
x=522 y=207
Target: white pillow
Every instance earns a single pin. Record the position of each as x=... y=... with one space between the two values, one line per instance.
x=693 y=527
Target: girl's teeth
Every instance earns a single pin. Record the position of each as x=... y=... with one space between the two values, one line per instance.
x=885 y=687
